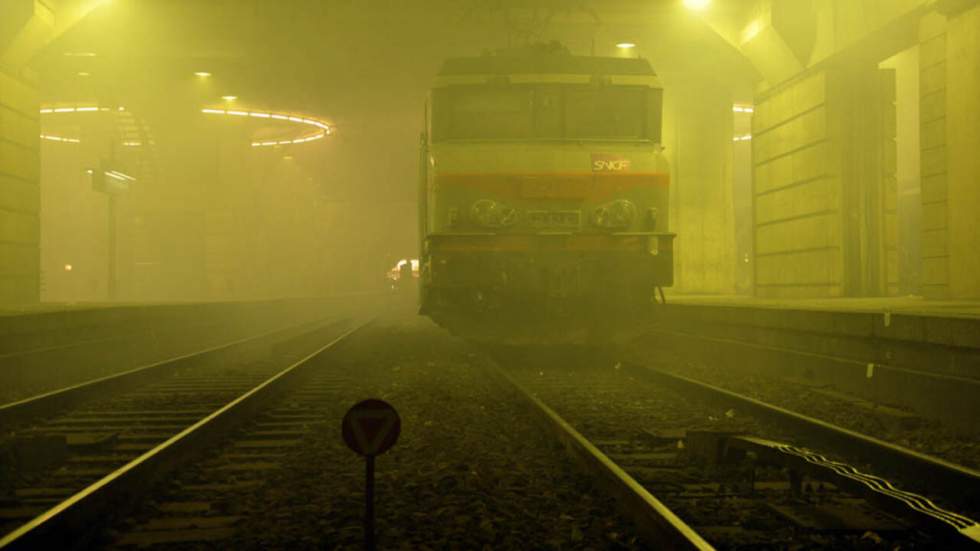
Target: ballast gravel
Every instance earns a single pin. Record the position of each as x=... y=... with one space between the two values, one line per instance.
x=470 y=470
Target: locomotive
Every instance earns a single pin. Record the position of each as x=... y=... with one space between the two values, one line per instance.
x=543 y=195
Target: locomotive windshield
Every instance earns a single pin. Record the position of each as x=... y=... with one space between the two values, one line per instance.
x=546 y=112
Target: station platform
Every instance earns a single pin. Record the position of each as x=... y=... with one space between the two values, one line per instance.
x=906 y=305
x=920 y=354
x=50 y=346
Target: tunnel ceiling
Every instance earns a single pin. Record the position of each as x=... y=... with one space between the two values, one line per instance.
x=340 y=59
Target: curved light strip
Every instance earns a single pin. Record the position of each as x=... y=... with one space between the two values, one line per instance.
x=79 y=109
x=324 y=128
x=76 y=109
x=52 y=138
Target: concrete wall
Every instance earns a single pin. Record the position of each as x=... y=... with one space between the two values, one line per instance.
x=798 y=233
x=824 y=153
x=19 y=190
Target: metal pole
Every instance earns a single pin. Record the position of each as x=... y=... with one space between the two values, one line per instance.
x=112 y=247
x=369 y=543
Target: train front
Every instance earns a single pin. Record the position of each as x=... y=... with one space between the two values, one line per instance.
x=543 y=196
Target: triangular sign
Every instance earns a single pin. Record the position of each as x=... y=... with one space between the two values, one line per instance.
x=370 y=428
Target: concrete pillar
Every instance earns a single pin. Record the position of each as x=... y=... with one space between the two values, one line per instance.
x=19 y=190
x=700 y=153
x=935 y=196
x=963 y=152
x=950 y=135
x=22 y=23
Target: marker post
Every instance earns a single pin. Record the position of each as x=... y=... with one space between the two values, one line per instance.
x=370 y=428
x=369 y=505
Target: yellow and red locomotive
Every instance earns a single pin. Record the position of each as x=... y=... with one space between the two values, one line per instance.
x=544 y=192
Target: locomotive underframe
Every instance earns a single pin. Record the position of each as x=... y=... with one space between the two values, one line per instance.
x=541 y=276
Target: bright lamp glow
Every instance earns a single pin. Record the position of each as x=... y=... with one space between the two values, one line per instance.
x=229 y=98
x=752 y=30
x=625 y=45
x=202 y=74
x=696 y=4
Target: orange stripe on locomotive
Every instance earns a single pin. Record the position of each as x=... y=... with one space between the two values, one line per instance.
x=587 y=186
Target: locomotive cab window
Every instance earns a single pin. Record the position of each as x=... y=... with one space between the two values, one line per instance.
x=605 y=112
x=499 y=113
x=546 y=112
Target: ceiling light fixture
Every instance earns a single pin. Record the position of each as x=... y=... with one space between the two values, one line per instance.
x=202 y=74
x=625 y=45
x=696 y=5
x=229 y=98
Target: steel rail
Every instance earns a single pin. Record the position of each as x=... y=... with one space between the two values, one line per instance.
x=68 y=524
x=655 y=522
x=48 y=403
x=957 y=484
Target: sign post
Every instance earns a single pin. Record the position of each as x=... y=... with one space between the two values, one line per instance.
x=370 y=428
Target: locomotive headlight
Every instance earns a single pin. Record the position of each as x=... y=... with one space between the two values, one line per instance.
x=491 y=214
x=617 y=214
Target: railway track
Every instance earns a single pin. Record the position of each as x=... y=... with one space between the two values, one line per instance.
x=31 y=409
x=693 y=469
x=205 y=504
x=455 y=480
x=688 y=472
x=106 y=453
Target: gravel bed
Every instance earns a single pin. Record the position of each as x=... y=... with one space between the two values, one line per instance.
x=917 y=433
x=469 y=471
x=620 y=413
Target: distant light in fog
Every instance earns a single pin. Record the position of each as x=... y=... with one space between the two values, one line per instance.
x=229 y=98
x=84 y=74
x=68 y=267
x=696 y=4
x=202 y=74
x=80 y=54
x=119 y=176
x=625 y=45
x=744 y=138
x=132 y=144
x=287 y=157
x=742 y=108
